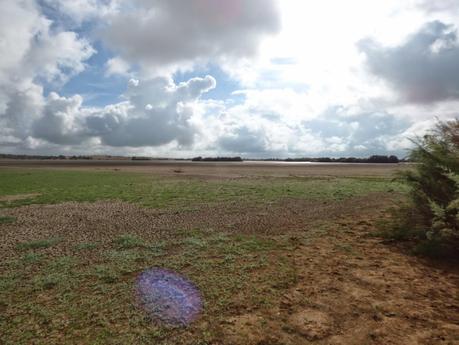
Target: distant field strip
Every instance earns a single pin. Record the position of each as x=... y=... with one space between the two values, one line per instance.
x=24 y=187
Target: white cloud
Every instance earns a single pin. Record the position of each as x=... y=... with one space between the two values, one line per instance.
x=156 y=112
x=162 y=36
x=31 y=51
x=305 y=88
x=117 y=66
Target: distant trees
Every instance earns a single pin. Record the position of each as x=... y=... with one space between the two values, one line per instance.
x=433 y=214
x=371 y=159
x=383 y=159
x=12 y=156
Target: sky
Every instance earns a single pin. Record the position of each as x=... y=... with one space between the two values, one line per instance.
x=253 y=78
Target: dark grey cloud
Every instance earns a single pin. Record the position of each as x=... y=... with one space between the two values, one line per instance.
x=158 y=33
x=424 y=68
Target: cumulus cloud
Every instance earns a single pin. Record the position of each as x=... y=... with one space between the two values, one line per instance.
x=59 y=122
x=157 y=112
x=33 y=53
x=424 y=68
x=31 y=48
x=23 y=104
x=165 y=34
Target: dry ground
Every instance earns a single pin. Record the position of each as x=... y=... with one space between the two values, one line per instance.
x=215 y=169
x=284 y=271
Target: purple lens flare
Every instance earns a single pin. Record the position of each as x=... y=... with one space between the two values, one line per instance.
x=168 y=297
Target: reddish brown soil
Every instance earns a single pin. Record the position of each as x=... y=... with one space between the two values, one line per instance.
x=352 y=289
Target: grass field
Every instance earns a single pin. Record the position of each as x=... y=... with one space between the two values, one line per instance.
x=51 y=187
x=278 y=260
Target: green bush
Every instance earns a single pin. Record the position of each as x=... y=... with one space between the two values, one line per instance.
x=433 y=214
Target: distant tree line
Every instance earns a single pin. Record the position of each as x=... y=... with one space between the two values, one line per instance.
x=12 y=156
x=371 y=159
x=141 y=158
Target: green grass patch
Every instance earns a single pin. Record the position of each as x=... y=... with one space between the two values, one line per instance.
x=63 y=263
x=129 y=241
x=56 y=186
x=106 y=273
x=7 y=220
x=232 y=272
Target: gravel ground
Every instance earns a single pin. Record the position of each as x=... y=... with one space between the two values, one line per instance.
x=101 y=222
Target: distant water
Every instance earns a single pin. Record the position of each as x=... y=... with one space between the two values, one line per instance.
x=309 y=163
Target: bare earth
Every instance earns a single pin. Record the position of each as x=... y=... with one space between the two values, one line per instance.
x=217 y=170
x=350 y=288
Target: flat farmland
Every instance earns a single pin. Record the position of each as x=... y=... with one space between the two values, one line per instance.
x=281 y=253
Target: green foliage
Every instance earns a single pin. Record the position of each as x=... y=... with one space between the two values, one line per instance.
x=433 y=217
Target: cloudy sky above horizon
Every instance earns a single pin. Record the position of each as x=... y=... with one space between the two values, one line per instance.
x=257 y=78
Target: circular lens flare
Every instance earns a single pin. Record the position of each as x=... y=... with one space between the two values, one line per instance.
x=168 y=297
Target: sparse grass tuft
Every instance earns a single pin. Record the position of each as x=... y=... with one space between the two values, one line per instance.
x=49 y=281
x=85 y=246
x=39 y=244
x=129 y=241
x=62 y=264
x=106 y=273
x=31 y=258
